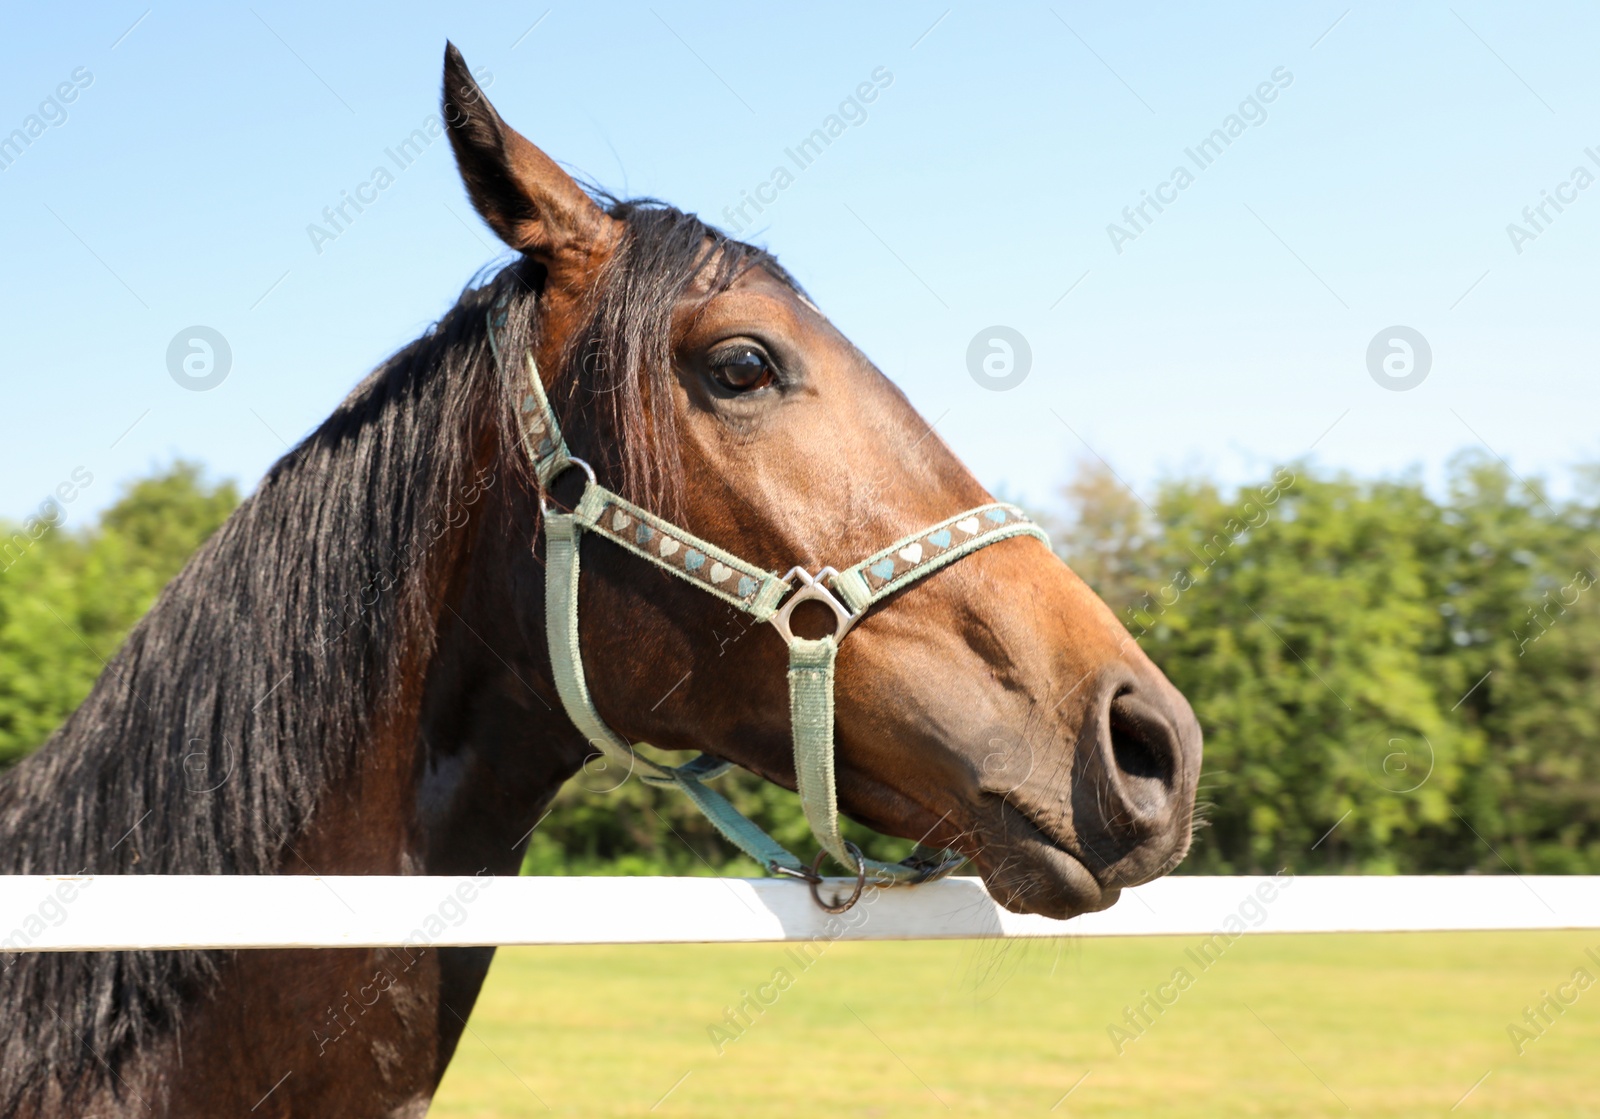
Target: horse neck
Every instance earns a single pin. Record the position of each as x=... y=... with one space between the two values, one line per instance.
x=463 y=752
x=486 y=747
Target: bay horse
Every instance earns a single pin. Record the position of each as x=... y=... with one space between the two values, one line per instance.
x=351 y=676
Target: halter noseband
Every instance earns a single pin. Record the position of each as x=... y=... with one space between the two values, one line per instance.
x=759 y=593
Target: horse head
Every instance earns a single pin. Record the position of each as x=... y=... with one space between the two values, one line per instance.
x=996 y=707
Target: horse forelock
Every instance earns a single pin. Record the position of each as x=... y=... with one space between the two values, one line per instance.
x=614 y=391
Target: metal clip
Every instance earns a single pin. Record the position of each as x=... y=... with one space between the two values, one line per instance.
x=837 y=906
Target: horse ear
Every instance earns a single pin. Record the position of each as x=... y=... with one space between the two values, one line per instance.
x=533 y=205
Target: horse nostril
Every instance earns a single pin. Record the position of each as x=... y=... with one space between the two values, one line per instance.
x=1144 y=750
x=1132 y=812
x=1136 y=756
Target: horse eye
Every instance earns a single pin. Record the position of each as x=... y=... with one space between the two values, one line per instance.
x=742 y=370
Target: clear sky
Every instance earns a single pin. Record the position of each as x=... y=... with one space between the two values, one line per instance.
x=1226 y=331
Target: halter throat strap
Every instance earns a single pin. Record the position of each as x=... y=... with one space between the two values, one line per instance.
x=763 y=595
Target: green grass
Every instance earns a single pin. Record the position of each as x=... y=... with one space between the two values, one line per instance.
x=1388 y=1025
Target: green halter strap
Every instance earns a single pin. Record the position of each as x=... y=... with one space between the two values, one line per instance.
x=757 y=592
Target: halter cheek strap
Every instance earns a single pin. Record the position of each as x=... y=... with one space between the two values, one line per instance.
x=766 y=597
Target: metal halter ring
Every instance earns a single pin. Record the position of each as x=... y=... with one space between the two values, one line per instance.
x=812 y=589
x=544 y=489
x=861 y=879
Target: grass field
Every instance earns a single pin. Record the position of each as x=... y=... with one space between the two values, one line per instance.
x=1375 y=1025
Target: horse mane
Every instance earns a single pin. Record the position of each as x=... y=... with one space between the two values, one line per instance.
x=245 y=693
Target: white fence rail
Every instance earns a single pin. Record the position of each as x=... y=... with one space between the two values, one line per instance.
x=51 y=914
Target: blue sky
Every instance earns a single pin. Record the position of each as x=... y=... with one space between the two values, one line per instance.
x=1229 y=333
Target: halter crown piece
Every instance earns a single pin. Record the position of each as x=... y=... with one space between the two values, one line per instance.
x=764 y=596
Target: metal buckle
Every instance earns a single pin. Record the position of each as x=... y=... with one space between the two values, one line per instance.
x=544 y=490
x=811 y=589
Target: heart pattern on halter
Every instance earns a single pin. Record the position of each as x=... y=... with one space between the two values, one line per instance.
x=629 y=528
x=716 y=572
x=906 y=559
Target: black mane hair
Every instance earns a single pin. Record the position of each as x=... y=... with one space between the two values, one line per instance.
x=248 y=688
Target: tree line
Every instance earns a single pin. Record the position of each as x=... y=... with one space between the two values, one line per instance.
x=1390 y=680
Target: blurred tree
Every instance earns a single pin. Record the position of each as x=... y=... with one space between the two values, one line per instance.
x=1518 y=656
x=69 y=600
x=1107 y=532
x=1388 y=681
x=1359 y=658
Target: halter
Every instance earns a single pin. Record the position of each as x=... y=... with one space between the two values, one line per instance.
x=762 y=595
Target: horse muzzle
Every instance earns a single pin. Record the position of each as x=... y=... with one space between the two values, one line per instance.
x=1061 y=844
